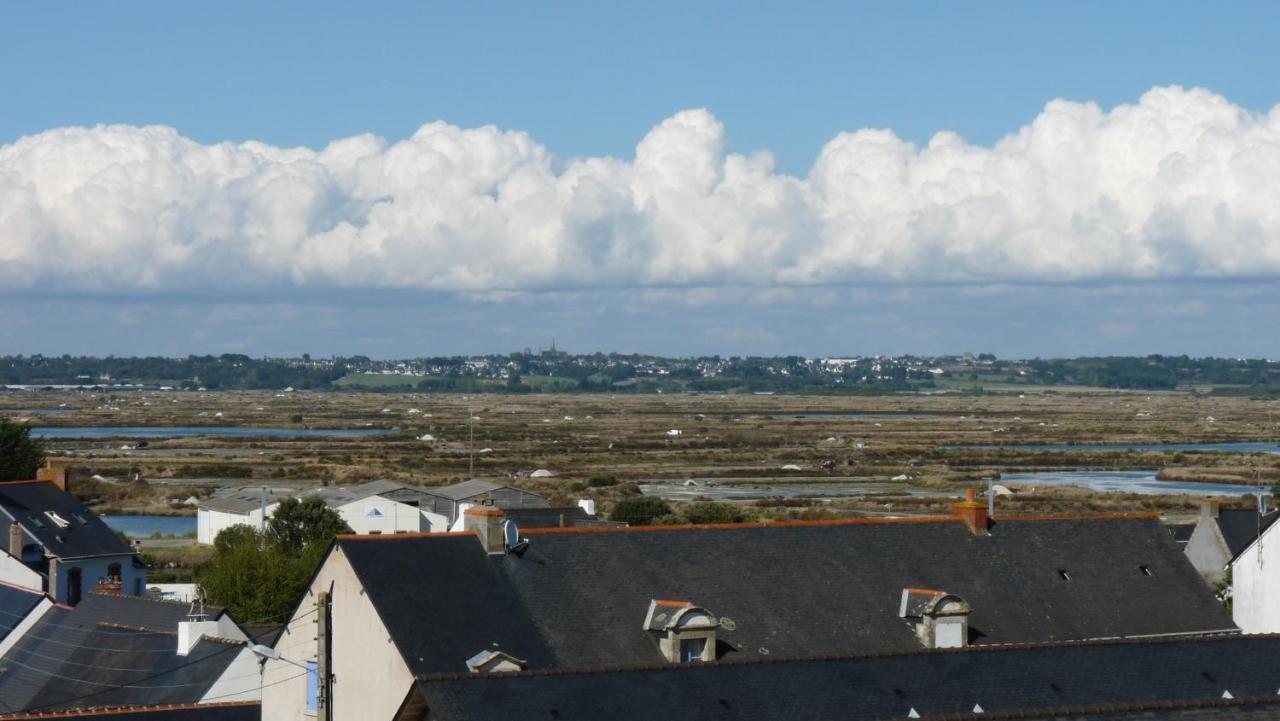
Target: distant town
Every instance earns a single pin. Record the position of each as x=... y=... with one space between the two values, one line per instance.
x=535 y=371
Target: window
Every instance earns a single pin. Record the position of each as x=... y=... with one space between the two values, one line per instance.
x=58 y=520
x=313 y=687
x=691 y=649
x=1064 y=575
x=113 y=573
x=73 y=586
x=1145 y=571
x=372 y=512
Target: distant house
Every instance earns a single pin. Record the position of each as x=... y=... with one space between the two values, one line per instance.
x=452 y=499
x=375 y=507
x=1255 y=583
x=1221 y=534
x=558 y=601
x=241 y=507
x=114 y=650
x=56 y=545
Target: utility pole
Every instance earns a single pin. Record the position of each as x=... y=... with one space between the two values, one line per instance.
x=324 y=671
x=262 y=506
x=471 y=443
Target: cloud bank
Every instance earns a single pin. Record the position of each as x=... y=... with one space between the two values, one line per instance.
x=1181 y=185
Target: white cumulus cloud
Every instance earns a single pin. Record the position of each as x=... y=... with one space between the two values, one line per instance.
x=1181 y=184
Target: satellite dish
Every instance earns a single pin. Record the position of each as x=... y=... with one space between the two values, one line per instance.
x=510 y=534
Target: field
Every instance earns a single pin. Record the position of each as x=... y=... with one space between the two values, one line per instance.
x=902 y=454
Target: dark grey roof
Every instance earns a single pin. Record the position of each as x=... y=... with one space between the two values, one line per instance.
x=1002 y=680
x=1240 y=526
x=578 y=597
x=31 y=502
x=548 y=517
x=232 y=711
x=1181 y=532
x=15 y=604
x=109 y=651
x=464 y=490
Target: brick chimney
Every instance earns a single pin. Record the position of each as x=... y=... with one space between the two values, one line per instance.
x=973 y=512
x=56 y=476
x=486 y=523
x=16 y=540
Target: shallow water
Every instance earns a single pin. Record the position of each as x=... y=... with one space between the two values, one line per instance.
x=1127 y=482
x=144 y=526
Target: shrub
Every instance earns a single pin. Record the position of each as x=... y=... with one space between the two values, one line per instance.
x=639 y=510
x=602 y=481
x=714 y=512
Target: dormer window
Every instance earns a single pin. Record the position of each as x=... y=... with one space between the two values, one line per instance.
x=939 y=619
x=495 y=662
x=686 y=633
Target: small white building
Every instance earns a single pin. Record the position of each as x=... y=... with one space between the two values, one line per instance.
x=1255 y=584
x=242 y=507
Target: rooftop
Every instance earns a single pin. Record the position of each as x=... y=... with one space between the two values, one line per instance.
x=577 y=597
x=1051 y=680
x=56 y=520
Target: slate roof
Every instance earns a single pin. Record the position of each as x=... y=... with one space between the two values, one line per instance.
x=1240 y=526
x=243 y=500
x=109 y=651
x=84 y=534
x=1181 y=532
x=577 y=597
x=15 y=604
x=1007 y=680
x=231 y=711
x=464 y=490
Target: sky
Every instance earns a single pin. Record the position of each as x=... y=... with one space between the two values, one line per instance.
x=408 y=179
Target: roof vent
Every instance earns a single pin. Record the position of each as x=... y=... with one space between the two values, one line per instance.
x=495 y=662
x=939 y=619
x=686 y=632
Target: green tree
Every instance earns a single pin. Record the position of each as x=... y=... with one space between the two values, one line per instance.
x=296 y=524
x=639 y=510
x=20 y=454
x=259 y=575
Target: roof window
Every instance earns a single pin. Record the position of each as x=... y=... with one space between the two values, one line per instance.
x=686 y=633
x=495 y=662
x=59 y=521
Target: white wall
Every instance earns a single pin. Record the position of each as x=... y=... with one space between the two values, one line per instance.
x=370 y=678
x=1255 y=587
x=183 y=592
x=241 y=681
x=17 y=573
x=209 y=522
x=376 y=514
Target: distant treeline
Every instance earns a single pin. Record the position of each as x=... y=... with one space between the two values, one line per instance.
x=562 y=372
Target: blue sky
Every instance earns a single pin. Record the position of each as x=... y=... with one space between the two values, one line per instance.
x=587 y=80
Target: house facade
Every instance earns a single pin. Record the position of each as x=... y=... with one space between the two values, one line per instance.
x=1255 y=584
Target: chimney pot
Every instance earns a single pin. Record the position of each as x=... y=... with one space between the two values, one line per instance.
x=486 y=523
x=1210 y=507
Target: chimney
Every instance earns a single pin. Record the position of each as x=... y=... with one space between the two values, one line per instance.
x=56 y=476
x=16 y=540
x=486 y=523
x=1209 y=508
x=973 y=512
x=190 y=633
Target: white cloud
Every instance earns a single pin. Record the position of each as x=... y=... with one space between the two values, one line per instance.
x=1181 y=184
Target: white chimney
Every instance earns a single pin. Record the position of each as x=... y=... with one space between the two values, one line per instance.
x=588 y=505
x=190 y=633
